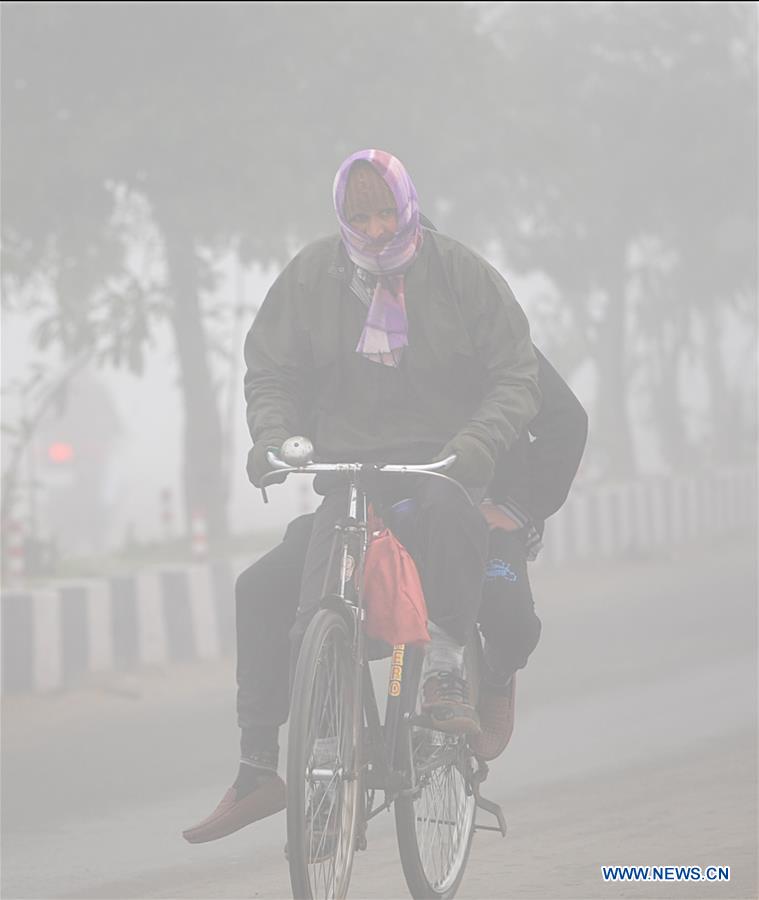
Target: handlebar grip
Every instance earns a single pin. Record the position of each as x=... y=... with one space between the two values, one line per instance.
x=275 y=462
x=448 y=461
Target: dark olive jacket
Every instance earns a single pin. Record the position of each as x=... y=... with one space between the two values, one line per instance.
x=469 y=366
x=537 y=472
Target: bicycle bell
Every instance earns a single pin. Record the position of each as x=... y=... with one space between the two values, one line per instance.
x=297 y=451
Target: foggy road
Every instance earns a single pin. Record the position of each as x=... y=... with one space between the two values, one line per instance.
x=635 y=744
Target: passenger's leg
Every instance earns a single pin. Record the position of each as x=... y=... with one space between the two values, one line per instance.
x=511 y=631
x=507 y=616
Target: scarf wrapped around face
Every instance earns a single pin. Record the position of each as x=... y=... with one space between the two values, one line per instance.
x=385 y=332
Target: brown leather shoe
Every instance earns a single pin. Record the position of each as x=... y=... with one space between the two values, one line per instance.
x=446 y=703
x=267 y=798
x=496 y=708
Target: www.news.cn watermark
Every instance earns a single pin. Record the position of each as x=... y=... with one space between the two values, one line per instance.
x=665 y=873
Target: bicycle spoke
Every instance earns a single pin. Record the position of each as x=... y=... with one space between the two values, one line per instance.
x=443 y=813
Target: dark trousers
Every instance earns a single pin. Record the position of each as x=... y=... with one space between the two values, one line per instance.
x=267 y=596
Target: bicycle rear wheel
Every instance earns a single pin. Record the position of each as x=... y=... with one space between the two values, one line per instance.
x=323 y=784
x=435 y=826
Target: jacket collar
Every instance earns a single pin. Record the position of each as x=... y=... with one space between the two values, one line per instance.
x=341 y=266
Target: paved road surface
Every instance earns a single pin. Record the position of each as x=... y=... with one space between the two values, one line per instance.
x=635 y=745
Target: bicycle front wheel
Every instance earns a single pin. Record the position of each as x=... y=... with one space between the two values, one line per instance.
x=435 y=826
x=323 y=784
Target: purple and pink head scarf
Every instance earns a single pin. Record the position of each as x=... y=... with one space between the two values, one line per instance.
x=385 y=333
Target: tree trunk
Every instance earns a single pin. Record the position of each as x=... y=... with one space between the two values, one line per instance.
x=204 y=484
x=612 y=427
x=667 y=404
x=724 y=405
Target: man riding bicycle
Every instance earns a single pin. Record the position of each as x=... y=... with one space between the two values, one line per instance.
x=531 y=483
x=393 y=343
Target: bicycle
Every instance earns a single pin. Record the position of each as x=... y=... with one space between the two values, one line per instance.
x=340 y=753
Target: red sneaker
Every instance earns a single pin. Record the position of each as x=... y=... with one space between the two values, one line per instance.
x=496 y=709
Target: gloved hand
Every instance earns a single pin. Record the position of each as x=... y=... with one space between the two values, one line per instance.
x=474 y=464
x=259 y=465
x=498 y=517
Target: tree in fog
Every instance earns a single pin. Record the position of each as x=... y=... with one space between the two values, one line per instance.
x=629 y=132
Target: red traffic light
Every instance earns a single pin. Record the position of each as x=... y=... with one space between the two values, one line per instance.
x=60 y=452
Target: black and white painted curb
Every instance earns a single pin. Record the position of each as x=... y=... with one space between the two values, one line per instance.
x=53 y=636
x=639 y=518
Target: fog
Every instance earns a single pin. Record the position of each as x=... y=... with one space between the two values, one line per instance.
x=144 y=459
x=161 y=164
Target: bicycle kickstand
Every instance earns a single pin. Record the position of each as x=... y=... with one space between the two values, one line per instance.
x=488 y=805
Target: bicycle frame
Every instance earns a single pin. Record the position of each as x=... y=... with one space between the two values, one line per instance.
x=385 y=756
x=385 y=765
x=390 y=767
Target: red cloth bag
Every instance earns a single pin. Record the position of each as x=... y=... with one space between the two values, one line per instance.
x=393 y=598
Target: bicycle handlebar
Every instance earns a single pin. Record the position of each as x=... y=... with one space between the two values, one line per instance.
x=434 y=469
x=312 y=468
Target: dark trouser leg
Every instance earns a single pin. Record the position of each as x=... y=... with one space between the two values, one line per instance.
x=449 y=546
x=507 y=616
x=311 y=587
x=266 y=599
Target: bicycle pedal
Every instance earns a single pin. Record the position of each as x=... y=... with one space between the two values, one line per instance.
x=436 y=726
x=422 y=721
